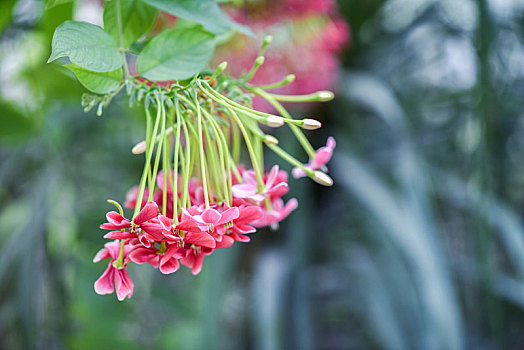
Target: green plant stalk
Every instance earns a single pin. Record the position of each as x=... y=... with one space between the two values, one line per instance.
x=158 y=151
x=295 y=129
x=175 y=168
x=149 y=153
x=249 y=112
x=235 y=169
x=219 y=136
x=223 y=156
x=252 y=154
x=290 y=159
x=236 y=143
x=185 y=199
x=257 y=143
x=228 y=103
x=165 y=172
x=201 y=149
x=211 y=162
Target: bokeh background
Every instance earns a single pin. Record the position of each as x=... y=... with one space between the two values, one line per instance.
x=418 y=245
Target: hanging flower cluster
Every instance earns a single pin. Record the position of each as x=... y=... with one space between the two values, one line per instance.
x=194 y=195
x=204 y=185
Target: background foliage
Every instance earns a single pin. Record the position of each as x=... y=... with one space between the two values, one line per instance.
x=419 y=245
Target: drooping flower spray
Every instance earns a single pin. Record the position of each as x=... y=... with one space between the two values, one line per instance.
x=194 y=196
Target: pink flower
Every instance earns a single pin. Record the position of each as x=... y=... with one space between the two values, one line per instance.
x=195 y=258
x=115 y=221
x=278 y=212
x=242 y=224
x=167 y=263
x=275 y=186
x=322 y=157
x=114 y=278
x=208 y=220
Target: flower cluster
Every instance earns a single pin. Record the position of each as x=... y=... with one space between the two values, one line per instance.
x=195 y=196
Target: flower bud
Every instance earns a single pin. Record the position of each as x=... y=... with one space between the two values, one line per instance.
x=139 y=148
x=311 y=124
x=289 y=78
x=221 y=67
x=274 y=121
x=259 y=61
x=270 y=140
x=322 y=178
x=325 y=96
x=267 y=40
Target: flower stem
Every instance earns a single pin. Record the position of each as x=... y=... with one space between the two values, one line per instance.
x=147 y=166
x=201 y=149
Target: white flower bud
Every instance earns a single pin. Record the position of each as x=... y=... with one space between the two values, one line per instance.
x=322 y=178
x=139 y=148
x=311 y=124
x=270 y=140
x=274 y=121
x=325 y=96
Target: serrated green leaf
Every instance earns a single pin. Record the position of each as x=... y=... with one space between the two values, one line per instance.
x=52 y=3
x=97 y=82
x=87 y=46
x=205 y=12
x=136 y=18
x=176 y=54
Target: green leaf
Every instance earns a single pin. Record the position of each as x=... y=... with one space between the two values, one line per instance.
x=6 y=9
x=86 y=45
x=136 y=18
x=97 y=82
x=205 y=12
x=52 y=3
x=16 y=126
x=176 y=54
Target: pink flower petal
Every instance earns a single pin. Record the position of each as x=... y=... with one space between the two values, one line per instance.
x=101 y=255
x=169 y=266
x=249 y=177
x=240 y=238
x=322 y=157
x=119 y=235
x=244 y=190
x=144 y=241
x=226 y=242
x=104 y=284
x=142 y=255
x=149 y=211
x=279 y=190
x=200 y=239
x=228 y=215
x=331 y=143
x=298 y=173
x=256 y=198
x=272 y=176
x=116 y=219
x=197 y=264
x=165 y=222
x=250 y=213
x=244 y=229
x=123 y=284
x=211 y=216
x=188 y=225
x=153 y=229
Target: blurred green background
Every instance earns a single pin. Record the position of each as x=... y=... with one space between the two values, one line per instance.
x=418 y=245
